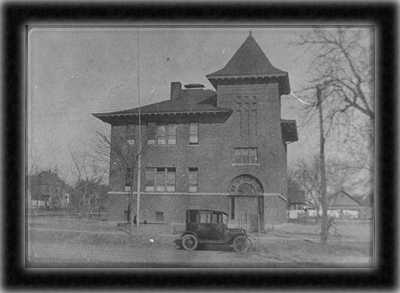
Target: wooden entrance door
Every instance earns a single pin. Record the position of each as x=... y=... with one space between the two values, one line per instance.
x=247 y=203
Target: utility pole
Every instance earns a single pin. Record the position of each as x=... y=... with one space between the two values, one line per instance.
x=139 y=154
x=324 y=205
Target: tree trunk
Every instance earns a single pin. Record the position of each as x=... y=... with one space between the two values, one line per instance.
x=324 y=205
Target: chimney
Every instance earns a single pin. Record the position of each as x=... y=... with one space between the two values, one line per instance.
x=176 y=88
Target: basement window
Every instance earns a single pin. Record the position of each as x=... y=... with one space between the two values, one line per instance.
x=159 y=216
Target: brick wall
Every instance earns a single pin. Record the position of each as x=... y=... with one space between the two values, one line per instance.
x=214 y=155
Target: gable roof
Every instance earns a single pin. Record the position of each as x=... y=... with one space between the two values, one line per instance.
x=296 y=196
x=251 y=62
x=190 y=101
x=343 y=199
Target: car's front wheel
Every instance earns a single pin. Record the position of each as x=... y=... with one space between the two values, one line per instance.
x=189 y=242
x=241 y=244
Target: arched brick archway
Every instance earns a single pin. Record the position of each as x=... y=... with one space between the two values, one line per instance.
x=247 y=202
x=245 y=184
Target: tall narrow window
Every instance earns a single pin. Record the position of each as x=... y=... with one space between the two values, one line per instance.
x=150 y=179
x=232 y=208
x=171 y=129
x=160 y=179
x=194 y=133
x=130 y=134
x=128 y=178
x=193 y=179
x=161 y=134
x=252 y=156
x=151 y=133
x=170 y=182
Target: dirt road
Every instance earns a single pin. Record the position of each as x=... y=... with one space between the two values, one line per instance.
x=70 y=248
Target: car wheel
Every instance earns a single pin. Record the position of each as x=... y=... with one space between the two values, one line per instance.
x=241 y=244
x=189 y=242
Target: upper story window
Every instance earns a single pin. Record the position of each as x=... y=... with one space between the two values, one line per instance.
x=130 y=134
x=160 y=179
x=161 y=134
x=193 y=179
x=244 y=156
x=194 y=133
x=171 y=134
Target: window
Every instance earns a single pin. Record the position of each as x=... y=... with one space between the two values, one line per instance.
x=149 y=177
x=252 y=156
x=161 y=134
x=245 y=156
x=164 y=134
x=170 y=184
x=130 y=134
x=205 y=218
x=232 y=208
x=214 y=218
x=159 y=216
x=193 y=133
x=160 y=179
x=128 y=178
x=193 y=179
x=151 y=133
x=171 y=131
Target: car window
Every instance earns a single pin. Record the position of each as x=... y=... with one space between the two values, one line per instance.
x=205 y=218
x=192 y=217
x=224 y=219
x=214 y=218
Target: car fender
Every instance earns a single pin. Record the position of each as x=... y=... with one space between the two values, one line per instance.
x=233 y=236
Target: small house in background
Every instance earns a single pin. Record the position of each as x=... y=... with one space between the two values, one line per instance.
x=296 y=202
x=344 y=206
x=47 y=190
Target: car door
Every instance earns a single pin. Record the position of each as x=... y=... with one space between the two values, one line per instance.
x=221 y=228
x=207 y=229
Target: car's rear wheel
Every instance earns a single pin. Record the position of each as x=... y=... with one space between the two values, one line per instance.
x=241 y=244
x=189 y=242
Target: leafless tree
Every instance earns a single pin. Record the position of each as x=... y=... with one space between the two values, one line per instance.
x=342 y=76
x=343 y=63
x=120 y=154
x=89 y=175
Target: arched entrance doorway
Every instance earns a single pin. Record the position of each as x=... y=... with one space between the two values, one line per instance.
x=247 y=202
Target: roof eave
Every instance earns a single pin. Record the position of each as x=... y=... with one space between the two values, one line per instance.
x=284 y=85
x=111 y=117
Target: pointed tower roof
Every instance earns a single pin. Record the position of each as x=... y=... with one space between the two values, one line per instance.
x=249 y=61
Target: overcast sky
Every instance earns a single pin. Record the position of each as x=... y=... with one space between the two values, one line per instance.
x=76 y=72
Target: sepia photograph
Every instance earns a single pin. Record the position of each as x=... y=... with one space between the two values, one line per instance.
x=200 y=146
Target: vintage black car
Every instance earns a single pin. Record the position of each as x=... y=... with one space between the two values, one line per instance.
x=210 y=227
